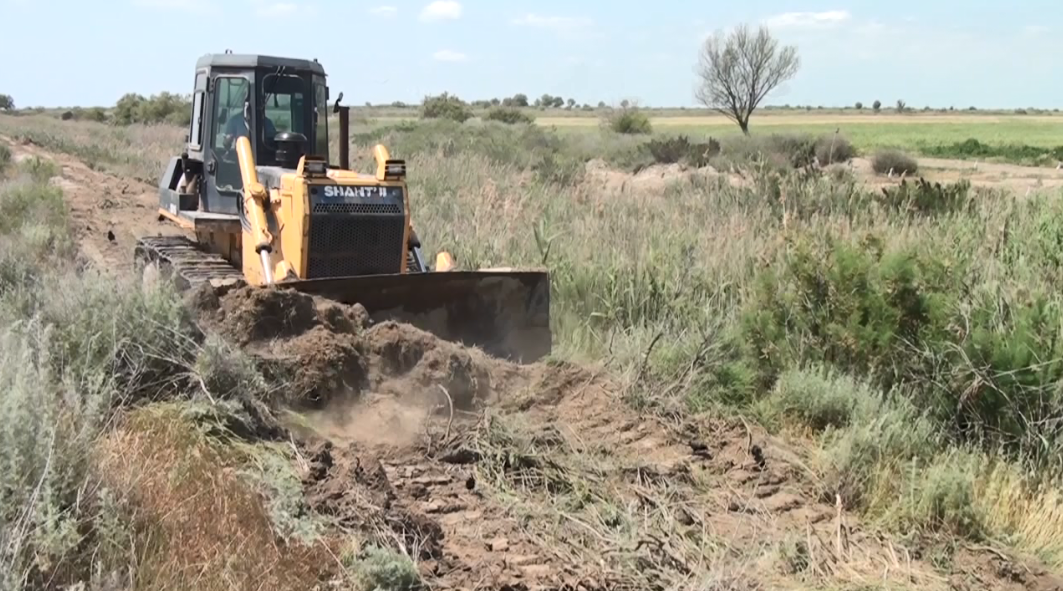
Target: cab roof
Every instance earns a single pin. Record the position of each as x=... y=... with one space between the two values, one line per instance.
x=243 y=60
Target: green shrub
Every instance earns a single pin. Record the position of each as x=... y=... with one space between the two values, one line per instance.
x=982 y=361
x=164 y=107
x=445 y=106
x=799 y=149
x=885 y=161
x=380 y=569
x=509 y=115
x=1017 y=153
x=820 y=400
x=852 y=307
x=629 y=120
x=680 y=149
x=5 y=157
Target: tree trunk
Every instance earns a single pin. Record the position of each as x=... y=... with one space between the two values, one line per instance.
x=744 y=124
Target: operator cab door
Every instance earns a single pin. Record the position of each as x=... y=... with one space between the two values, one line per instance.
x=224 y=186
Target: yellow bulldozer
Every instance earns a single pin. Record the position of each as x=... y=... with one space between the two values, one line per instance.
x=263 y=204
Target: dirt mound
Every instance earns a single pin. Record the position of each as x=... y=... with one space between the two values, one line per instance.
x=313 y=346
x=655 y=178
x=330 y=356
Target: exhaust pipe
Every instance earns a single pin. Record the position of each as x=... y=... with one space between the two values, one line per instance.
x=345 y=137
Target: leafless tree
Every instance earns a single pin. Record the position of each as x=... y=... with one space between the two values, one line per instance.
x=739 y=69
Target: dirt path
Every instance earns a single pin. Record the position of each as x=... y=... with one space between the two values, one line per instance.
x=108 y=212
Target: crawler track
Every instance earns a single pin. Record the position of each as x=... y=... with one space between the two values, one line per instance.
x=180 y=258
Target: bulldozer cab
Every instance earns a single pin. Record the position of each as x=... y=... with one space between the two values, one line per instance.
x=279 y=104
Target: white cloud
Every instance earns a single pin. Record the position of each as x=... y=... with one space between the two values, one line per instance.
x=441 y=10
x=446 y=55
x=557 y=23
x=385 y=11
x=789 y=20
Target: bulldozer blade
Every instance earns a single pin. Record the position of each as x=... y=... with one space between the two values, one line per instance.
x=505 y=313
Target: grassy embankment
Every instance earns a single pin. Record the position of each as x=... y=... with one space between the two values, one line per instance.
x=165 y=496
x=912 y=338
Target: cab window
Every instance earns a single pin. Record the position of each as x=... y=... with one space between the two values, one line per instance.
x=321 y=144
x=229 y=95
x=284 y=106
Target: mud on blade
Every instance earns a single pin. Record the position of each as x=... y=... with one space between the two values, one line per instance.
x=505 y=313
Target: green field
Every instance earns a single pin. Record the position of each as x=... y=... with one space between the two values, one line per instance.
x=866 y=131
x=910 y=132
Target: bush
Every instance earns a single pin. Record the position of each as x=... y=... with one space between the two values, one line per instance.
x=681 y=149
x=97 y=114
x=5 y=157
x=164 y=107
x=894 y=160
x=834 y=149
x=972 y=355
x=925 y=198
x=629 y=120
x=379 y=569
x=851 y=307
x=509 y=115
x=445 y=106
x=784 y=152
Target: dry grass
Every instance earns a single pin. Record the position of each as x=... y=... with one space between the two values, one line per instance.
x=198 y=524
x=1032 y=516
x=639 y=525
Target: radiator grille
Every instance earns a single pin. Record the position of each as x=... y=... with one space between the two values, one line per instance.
x=366 y=208
x=356 y=236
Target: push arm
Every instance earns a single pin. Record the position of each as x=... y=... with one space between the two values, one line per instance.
x=256 y=199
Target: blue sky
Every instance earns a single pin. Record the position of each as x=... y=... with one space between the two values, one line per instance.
x=936 y=52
